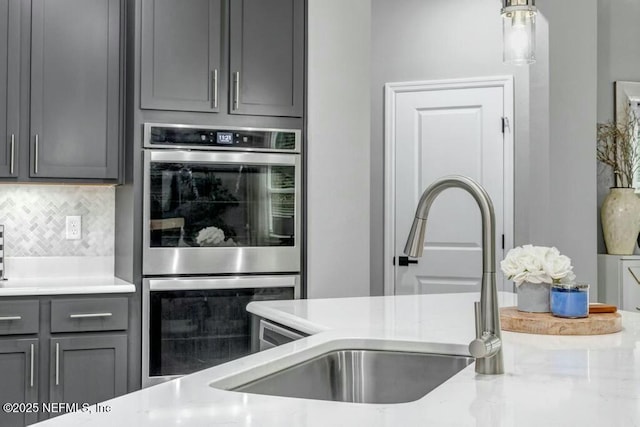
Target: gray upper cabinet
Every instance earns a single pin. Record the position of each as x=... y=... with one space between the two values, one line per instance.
x=75 y=89
x=266 y=57
x=19 y=373
x=9 y=86
x=87 y=369
x=181 y=55
x=185 y=66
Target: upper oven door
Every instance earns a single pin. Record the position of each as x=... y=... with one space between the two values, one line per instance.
x=221 y=212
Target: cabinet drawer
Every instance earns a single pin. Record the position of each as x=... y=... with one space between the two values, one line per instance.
x=95 y=314
x=19 y=317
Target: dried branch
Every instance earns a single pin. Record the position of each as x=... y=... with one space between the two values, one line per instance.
x=618 y=147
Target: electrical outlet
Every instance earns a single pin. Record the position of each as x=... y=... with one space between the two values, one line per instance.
x=74 y=227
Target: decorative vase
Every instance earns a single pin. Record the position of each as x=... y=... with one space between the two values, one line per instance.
x=534 y=297
x=620 y=215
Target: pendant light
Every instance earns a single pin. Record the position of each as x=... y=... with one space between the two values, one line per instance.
x=519 y=31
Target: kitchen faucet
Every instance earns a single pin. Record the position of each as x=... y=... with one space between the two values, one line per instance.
x=487 y=347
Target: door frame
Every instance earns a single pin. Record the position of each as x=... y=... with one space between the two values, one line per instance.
x=391 y=91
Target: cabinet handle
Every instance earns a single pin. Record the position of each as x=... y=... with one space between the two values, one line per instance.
x=57 y=363
x=634 y=275
x=13 y=153
x=89 y=315
x=31 y=371
x=35 y=167
x=11 y=318
x=214 y=84
x=236 y=92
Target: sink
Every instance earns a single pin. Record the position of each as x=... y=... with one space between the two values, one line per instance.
x=360 y=376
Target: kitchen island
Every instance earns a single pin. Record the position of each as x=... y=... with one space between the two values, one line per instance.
x=548 y=380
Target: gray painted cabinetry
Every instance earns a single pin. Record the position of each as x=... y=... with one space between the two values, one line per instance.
x=186 y=47
x=75 y=89
x=9 y=86
x=181 y=55
x=18 y=370
x=61 y=350
x=60 y=90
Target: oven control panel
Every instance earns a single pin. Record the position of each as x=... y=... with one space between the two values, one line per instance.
x=214 y=138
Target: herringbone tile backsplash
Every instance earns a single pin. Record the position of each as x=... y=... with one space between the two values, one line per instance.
x=34 y=219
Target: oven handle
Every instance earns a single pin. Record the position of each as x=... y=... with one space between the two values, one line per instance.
x=233 y=282
x=170 y=156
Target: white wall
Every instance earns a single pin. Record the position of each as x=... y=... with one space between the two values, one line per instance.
x=338 y=143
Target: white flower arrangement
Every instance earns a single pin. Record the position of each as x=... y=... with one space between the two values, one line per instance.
x=210 y=236
x=537 y=264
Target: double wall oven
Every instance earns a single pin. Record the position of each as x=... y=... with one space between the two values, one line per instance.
x=222 y=227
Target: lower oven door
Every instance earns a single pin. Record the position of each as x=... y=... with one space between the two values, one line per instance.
x=190 y=324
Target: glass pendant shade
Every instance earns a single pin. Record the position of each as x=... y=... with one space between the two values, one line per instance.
x=518 y=31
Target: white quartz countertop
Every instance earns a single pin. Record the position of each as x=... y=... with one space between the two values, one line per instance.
x=548 y=380
x=65 y=286
x=61 y=276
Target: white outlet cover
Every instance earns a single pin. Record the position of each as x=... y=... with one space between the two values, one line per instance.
x=73 y=227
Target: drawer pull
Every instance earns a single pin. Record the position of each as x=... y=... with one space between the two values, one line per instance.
x=11 y=318
x=89 y=315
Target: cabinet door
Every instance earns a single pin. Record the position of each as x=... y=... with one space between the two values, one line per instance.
x=267 y=57
x=87 y=369
x=9 y=86
x=75 y=88
x=181 y=55
x=19 y=373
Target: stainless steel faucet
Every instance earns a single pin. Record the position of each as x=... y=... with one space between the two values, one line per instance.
x=487 y=347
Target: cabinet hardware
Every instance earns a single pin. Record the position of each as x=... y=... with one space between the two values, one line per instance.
x=35 y=166
x=214 y=84
x=236 y=92
x=634 y=275
x=89 y=315
x=13 y=153
x=57 y=363
x=11 y=318
x=31 y=369
x=638 y=308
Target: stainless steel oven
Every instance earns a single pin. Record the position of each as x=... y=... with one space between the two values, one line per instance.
x=198 y=322
x=221 y=200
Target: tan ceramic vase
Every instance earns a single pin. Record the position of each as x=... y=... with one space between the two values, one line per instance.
x=620 y=215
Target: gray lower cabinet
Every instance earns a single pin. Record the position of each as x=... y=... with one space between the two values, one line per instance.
x=266 y=57
x=18 y=374
x=75 y=89
x=181 y=55
x=87 y=369
x=9 y=86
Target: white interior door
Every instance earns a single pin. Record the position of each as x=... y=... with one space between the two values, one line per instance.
x=442 y=131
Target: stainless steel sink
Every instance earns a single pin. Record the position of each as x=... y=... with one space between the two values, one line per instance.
x=361 y=376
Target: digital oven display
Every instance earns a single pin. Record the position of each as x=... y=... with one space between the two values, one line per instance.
x=225 y=138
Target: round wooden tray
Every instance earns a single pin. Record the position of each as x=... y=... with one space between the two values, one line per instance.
x=546 y=324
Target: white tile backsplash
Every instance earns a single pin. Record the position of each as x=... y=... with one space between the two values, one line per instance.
x=34 y=220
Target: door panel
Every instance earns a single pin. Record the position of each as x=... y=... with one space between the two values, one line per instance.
x=87 y=369
x=75 y=89
x=19 y=373
x=439 y=133
x=9 y=86
x=267 y=56
x=181 y=55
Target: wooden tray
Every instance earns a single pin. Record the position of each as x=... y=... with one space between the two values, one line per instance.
x=545 y=324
